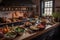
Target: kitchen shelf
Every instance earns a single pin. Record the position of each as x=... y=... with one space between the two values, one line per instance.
x=10 y=24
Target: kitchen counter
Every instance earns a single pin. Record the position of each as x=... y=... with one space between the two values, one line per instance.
x=27 y=36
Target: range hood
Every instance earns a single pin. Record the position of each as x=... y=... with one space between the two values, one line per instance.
x=16 y=3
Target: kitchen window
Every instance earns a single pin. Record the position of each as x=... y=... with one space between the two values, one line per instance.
x=47 y=7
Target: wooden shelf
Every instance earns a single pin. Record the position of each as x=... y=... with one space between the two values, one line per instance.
x=12 y=23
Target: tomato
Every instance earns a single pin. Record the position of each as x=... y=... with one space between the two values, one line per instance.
x=40 y=26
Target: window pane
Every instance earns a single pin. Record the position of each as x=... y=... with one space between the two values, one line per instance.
x=48 y=11
x=48 y=4
x=48 y=8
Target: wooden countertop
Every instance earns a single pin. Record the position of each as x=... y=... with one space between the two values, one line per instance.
x=27 y=36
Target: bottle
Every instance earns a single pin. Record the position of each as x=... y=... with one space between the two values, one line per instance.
x=37 y=22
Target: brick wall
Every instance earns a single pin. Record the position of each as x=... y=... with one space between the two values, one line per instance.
x=57 y=5
x=37 y=2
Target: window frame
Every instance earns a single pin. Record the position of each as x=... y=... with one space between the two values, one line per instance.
x=42 y=9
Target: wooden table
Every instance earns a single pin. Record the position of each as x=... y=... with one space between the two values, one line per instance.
x=27 y=36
